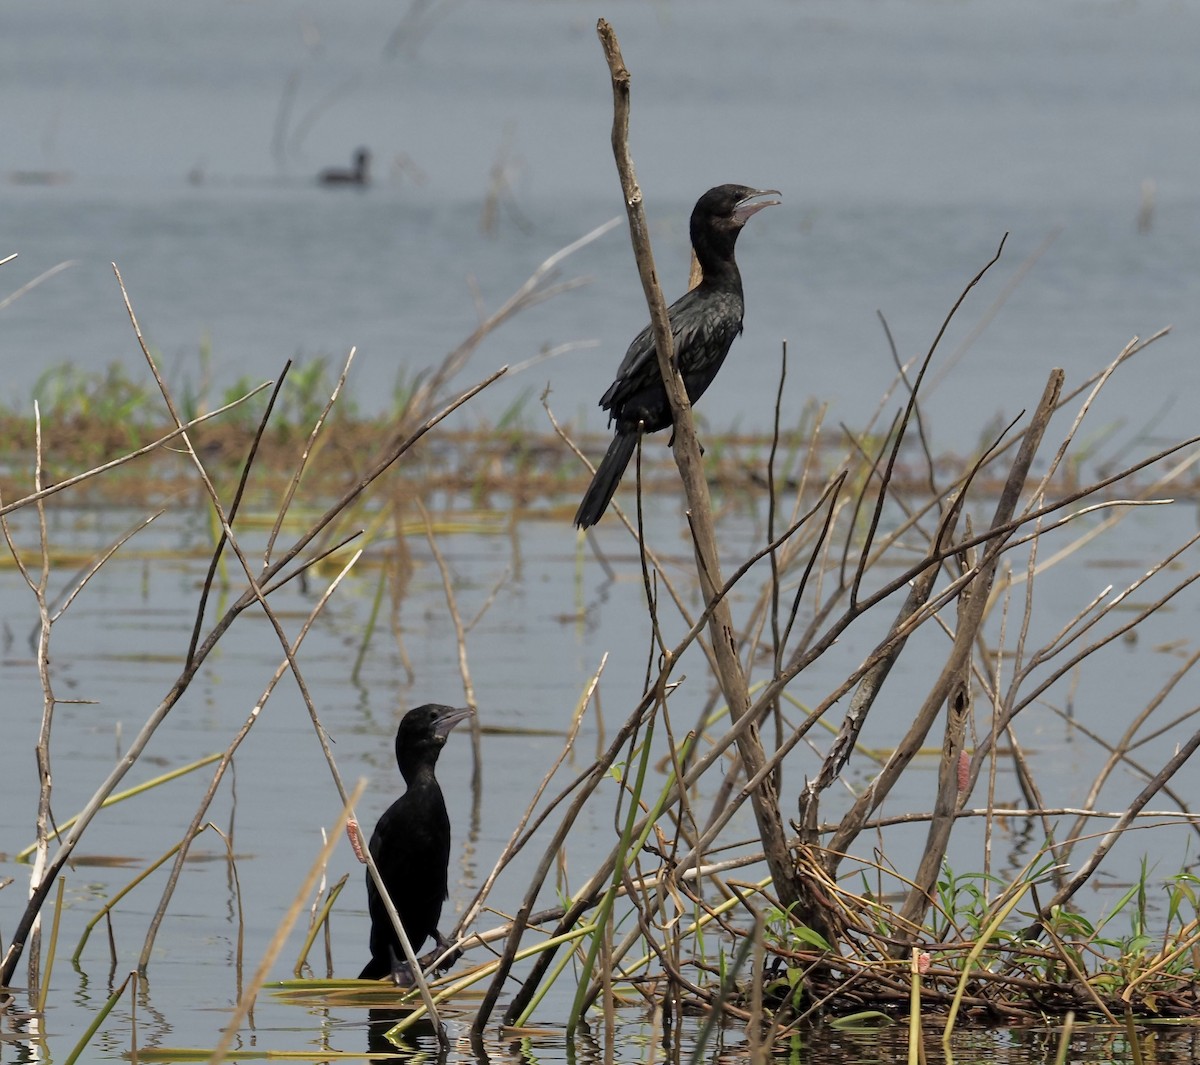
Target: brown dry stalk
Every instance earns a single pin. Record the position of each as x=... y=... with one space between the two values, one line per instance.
x=585 y=897
x=197 y=824
x=271 y=578
x=519 y=835
x=730 y=674
x=305 y=455
x=246 y=1001
x=972 y=604
x=121 y=460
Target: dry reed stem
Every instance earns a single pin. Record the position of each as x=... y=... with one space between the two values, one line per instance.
x=460 y=639
x=226 y=518
x=868 y=688
x=1057 y=505
x=1122 y=756
x=121 y=796
x=1006 y=290
x=30 y=285
x=910 y=408
x=246 y=1002
x=991 y=687
x=804 y=653
x=1110 y=839
x=660 y=573
x=1067 y=958
x=112 y=464
x=60 y=603
x=1101 y=380
x=519 y=835
x=1013 y=706
x=773 y=557
x=45 y=777
x=839 y=625
x=275 y=572
x=460 y=636
x=917 y=417
x=972 y=603
x=687 y=456
x=111 y=902
x=305 y=455
x=534 y=290
x=1119 y=751
x=657 y=643
x=226 y=760
x=584 y=897
x=783 y=549
x=247 y=466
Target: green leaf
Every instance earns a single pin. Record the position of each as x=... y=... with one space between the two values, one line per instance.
x=807 y=935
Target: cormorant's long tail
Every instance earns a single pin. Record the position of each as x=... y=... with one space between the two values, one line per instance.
x=608 y=476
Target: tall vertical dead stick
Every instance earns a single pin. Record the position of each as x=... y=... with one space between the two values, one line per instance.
x=687 y=458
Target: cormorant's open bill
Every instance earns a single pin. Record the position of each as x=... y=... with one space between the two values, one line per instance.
x=704 y=322
x=411 y=846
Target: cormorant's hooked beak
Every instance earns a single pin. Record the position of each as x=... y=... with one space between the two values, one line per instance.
x=448 y=718
x=751 y=205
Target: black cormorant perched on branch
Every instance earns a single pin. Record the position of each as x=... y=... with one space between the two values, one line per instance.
x=704 y=322
x=411 y=846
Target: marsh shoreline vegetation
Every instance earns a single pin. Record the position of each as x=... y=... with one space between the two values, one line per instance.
x=518 y=466
x=813 y=920
x=851 y=523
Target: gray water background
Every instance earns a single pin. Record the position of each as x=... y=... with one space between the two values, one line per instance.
x=907 y=139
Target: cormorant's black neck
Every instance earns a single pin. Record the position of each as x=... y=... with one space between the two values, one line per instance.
x=713 y=244
x=419 y=774
x=417 y=767
x=417 y=757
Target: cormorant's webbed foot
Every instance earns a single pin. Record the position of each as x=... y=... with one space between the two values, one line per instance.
x=402 y=974
x=401 y=971
x=443 y=945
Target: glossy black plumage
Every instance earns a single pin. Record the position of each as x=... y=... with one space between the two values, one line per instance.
x=411 y=845
x=704 y=323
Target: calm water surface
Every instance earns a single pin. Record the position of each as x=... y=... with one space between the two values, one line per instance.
x=907 y=138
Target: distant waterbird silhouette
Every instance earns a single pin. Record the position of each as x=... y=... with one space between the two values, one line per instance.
x=359 y=174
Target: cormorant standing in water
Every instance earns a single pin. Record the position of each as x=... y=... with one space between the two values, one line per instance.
x=411 y=846
x=356 y=176
x=704 y=322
